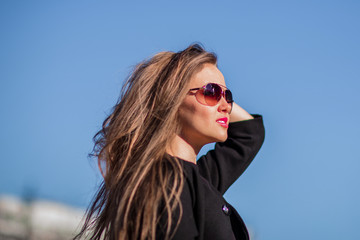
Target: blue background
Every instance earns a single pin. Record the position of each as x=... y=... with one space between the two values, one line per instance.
x=295 y=62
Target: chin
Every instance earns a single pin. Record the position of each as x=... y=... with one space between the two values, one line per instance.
x=221 y=138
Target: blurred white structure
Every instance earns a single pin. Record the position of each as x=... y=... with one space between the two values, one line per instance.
x=42 y=220
x=38 y=220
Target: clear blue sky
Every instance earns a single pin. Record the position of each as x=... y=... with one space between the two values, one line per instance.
x=295 y=62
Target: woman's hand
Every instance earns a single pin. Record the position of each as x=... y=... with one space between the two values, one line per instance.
x=239 y=114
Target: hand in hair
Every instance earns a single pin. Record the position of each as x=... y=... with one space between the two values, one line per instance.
x=239 y=114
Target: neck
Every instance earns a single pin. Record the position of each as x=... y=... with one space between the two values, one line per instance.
x=180 y=148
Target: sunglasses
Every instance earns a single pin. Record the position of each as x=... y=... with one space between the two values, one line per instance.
x=211 y=93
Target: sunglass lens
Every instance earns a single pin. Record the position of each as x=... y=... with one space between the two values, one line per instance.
x=212 y=94
x=228 y=96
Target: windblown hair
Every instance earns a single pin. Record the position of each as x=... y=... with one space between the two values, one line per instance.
x=142 y=184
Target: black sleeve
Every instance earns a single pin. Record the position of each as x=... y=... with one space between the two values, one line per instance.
x=223 y=165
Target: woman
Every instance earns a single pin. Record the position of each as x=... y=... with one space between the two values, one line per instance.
x=171 y=106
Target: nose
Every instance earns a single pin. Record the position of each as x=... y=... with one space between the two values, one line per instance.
x=224 y=106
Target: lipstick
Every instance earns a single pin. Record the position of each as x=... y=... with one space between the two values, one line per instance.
x=223 y=122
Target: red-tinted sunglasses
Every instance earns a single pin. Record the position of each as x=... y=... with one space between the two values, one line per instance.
x=211 y=93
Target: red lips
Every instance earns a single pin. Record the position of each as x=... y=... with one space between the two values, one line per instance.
x=223 y=122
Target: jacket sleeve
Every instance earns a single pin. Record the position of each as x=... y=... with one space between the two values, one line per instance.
x=223 y=165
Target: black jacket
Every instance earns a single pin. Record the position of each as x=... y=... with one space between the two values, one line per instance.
x=206 y=214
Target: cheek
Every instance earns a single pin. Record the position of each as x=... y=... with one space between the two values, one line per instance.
x=186 y=113
x=194 y=115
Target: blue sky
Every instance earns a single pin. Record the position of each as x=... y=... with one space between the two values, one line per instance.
x=295 y=62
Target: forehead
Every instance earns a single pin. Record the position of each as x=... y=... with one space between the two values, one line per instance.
x=209 y=73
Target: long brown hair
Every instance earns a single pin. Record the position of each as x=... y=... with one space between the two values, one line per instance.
x=142 y=184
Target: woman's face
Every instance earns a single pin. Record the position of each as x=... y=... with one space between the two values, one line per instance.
x=202 y=124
